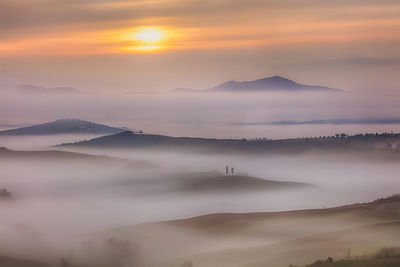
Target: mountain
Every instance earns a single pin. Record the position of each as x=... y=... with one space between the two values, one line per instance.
x=33 y=89
x=274 y=83
x=62 y=127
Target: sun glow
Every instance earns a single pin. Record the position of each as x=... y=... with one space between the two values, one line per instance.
x=147 y=39
x=150 y=35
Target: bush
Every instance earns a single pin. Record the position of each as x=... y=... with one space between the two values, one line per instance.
x=319 y=262
x=387 y=253
x=393 y=198
x=4 y=193
x=187 y=264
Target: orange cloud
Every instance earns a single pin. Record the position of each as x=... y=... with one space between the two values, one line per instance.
x=109 y=26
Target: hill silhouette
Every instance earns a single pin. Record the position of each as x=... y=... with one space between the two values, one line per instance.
x=217 y=182
x=33 y=89
x=64 y=126
x=340 y=142
x=274 y=83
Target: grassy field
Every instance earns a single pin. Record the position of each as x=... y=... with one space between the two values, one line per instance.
x=268 y=239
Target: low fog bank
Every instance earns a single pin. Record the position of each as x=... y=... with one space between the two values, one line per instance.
x=57 y=204
x=35 y=142
x=117 y=195
x=184 y=114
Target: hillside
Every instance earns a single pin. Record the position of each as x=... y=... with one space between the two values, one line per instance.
x=64 y=126
x=267 y=238
x=382 y=143
x=62 y=156
x=211 y=182
x=197 y=184
x=129 y=139
x=219 y=183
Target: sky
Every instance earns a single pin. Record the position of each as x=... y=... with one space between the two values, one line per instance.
x=101 y=46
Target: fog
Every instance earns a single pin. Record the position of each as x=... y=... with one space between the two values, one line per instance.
x=59 y=203
x=185 y=114
x=62 y=201
x=37 y=142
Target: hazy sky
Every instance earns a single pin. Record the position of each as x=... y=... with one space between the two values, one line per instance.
x=157 y=45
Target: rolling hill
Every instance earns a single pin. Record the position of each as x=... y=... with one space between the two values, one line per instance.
x=212 y=182
x=64 y=126
x=71 y=157
x=130 y=139
x=216 y=182
x=268 y=238
x=382 y=143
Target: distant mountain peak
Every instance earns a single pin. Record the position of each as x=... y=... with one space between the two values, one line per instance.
x=33 y=89
x=276 y=77
x=273 y=83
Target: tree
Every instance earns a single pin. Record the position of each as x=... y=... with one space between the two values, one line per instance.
x=64 y=263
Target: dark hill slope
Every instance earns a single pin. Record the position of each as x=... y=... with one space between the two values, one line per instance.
x=129 y=139
x=217 y=182
x=65 y=126
x=383 y=143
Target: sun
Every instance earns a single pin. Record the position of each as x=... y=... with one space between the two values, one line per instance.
x=150 y=35
x=146 y=38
